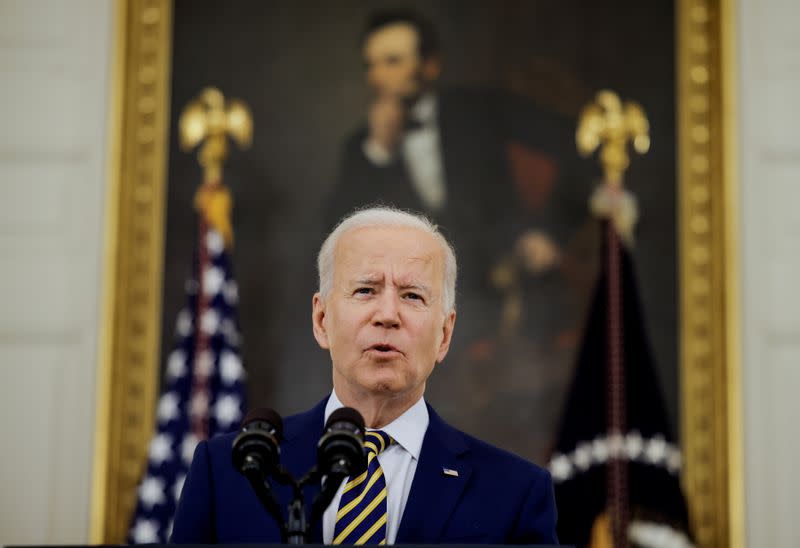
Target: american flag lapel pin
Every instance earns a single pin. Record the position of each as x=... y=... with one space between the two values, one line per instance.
x=450 y=472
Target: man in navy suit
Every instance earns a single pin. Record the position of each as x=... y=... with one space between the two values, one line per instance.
x=385 y=311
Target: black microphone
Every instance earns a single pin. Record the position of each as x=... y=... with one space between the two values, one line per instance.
x=256 y=455
x=258 y=444
x=340 y=453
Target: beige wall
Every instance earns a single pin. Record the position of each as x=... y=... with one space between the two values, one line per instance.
x=54 y=57
x=769 y=76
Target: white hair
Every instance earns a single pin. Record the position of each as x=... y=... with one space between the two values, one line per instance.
x=387 y=216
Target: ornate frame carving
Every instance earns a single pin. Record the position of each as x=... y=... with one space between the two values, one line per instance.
x=128 y=367
x=710 y=392
x=128 y=354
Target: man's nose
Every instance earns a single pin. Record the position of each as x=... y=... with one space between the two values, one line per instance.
x=373 y=80
x=387 y=313
x=376 y=76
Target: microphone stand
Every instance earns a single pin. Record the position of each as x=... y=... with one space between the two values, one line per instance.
x=296 y=525
x=327 y=491
x=337 y=467
x=265 y=495
x=296 y=529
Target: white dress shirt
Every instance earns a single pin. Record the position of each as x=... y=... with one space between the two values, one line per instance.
x=422 y=153
x=398 y=461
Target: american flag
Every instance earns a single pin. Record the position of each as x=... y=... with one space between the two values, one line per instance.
x=202 y=391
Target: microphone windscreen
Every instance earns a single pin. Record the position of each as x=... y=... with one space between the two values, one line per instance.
x=345 y=414
x=265 y=414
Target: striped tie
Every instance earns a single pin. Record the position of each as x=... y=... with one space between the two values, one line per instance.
x=362 y=511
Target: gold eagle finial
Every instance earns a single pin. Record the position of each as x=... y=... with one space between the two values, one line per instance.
x=210 y=119
x=609 y=124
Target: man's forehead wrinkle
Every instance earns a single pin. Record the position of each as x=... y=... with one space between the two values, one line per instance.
x=369 y=277
x=411 y=279
x=371 y=255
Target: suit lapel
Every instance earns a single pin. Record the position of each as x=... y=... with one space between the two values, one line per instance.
x=443 y=448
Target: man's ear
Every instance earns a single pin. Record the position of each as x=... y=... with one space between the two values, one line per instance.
x=432 y=68
x=318 y=321
x=447 y=335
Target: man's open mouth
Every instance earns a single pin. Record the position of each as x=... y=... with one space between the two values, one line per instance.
x=383 y=348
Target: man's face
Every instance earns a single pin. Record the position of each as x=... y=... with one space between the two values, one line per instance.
x=383 y=320
x=393 y=64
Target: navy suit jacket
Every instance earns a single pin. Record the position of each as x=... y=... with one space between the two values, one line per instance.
x=497 y=497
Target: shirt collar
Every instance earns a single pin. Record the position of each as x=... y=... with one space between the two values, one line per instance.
x=408 y=430
x=424 y=110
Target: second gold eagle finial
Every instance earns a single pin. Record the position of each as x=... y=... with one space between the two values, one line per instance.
x=608 y=124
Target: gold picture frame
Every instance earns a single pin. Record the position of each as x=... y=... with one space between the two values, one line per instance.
x=709 y=356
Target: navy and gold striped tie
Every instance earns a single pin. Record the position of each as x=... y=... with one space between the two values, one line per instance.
x=362 y=511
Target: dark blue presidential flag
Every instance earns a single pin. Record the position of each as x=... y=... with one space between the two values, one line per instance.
x=203 y=387
x=616 y=464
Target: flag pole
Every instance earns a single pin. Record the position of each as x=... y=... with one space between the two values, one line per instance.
x=609 y=125
x=209 y=120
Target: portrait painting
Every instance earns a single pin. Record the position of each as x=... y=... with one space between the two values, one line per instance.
x=466 y=112
x=484 y=98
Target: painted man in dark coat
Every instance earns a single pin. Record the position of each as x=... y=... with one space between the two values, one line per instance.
x=482 y=163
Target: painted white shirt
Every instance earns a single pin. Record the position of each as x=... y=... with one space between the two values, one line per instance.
x=422 y=152
x=399 y=463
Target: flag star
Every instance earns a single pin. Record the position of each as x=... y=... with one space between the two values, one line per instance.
x=160 y=449
x=209 y=321
x=183 y=325
x=674 y=460
x=214 y=242
x=176 y=364
x=198 y=406
x=231 y=292
x=230 y=367
x=178 y=487
x=204 y=363
x=151 y=492
x=228 y=329
x=227 y=411
x=168 y=407
x=615 y=445
x=656 y=450
x=633 y=445
x=561 y=468
x=187 y=448
x=600 y=450
x=582 y=456
x=145 y=531
x=213 y=278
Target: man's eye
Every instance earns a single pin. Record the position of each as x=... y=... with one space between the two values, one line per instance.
x=414 y=296
x=363 y=291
